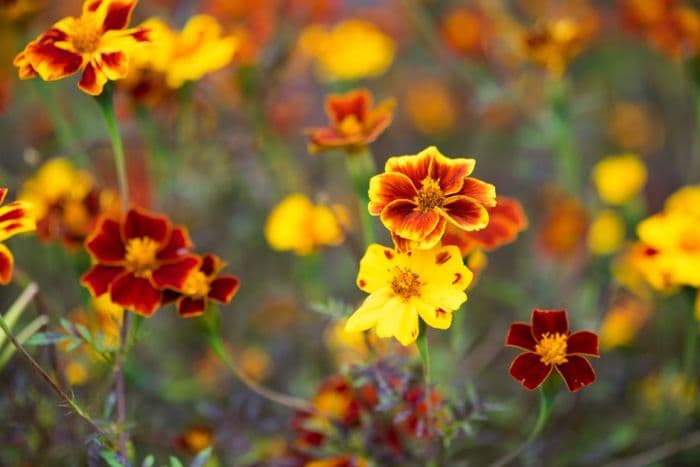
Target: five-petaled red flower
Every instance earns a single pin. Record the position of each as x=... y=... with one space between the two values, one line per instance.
x=548 y=345
x=354 y=123
x=137 y=259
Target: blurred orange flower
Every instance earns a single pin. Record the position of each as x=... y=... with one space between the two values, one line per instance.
x=15 y=218
x=467 y=31
x=563 y=228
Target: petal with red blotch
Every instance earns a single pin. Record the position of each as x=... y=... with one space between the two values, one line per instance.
x=178 y=244
x=549 y=321
x=355 y=103
x=174 y=275
x=135 y=293
x=451 y=172
x=222 y=289
x=91 y=6
x=211 y=265
x=387 y=187
x=405 y=220
x=16 y=218
x=3 y=193
x=434 y=237
x=7 y=262
x=117 y=14
x=577 y=372
x=188 y=307
x=583 y=343
x=415 y=167
x=114 y=65
x=520 y=335
x=26 y=70
x=465 y=213
x=140 y=224
x=51 y=62
x=99 y=278
x=529 y=370
x=93 y=80
x=483 y=192
x=106 y=243
x=510 y=209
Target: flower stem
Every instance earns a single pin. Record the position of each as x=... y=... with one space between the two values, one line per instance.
x=424 y=351
x=361 y=167
x=568 y=161
x=120 y=389
x=106 y=103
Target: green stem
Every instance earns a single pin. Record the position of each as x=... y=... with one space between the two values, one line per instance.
x=568 y=161
x=361 y=167
x=106 y=103
x=424 y=351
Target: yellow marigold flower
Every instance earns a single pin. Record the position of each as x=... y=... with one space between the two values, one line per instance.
x=685 y=201
x=297 y=225
x=606 y=233
x=618 y=179
x=623 y=321
x=354 y=49
x=97 y=43
x=430 y=107
x=404 y=286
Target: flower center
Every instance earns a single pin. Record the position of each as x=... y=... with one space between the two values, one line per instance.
x=350 y=126
x=141 y=255
x=430 y=195
x=552 y=348
x=196 y=284
x=405 y=283
x=85 y=35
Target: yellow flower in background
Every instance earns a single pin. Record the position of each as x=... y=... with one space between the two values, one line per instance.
x=623 y=321
x=430 y=107
x=685 y=201
x=298 y=225
x=354 y=49
x=668 y=391
x=404 y=286
x=620 y=178
x=606 y=233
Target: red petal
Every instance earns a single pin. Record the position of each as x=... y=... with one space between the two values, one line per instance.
x=145 y=224
x=118 y=15
x=178 y=244
x=7 y=262
x=93 y=80
x=135 y=293
x=402 y=218
x=584 y=343
x=450 y=174
x=388 y=187
x=174 y=275
x=115 y=65
x=222 y=289
x=415 y=167
x=211 y=264
x=551 y=321
x=466 y=213
x=106 y=243
x=189 y=308
x=483 y=192
x=529 y=370
x=355 y=103
x=577 y=372
x=520 y=335
x=99 y=278
x=49 y=61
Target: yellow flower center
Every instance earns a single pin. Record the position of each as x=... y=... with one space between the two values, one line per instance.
x=141 y=255
x=350 y=126
x=196 y=284
x=430 y=195
x=85 y=35
x=552 y=348
x=405 y=283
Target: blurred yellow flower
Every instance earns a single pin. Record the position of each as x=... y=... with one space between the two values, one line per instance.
x=606 y=233
x=76 y=373
x=255 y=363
x=668 y=391
x=620 y=178
x=352 y=50
x=430 y=107
x=298 y=225
x=685 y=201
x=623 y=321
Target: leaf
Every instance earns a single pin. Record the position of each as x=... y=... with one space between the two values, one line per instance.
x=175 y=462
x=148 y=461
x=201 y=458
x=47 y=338
x=84 y=333
x=111 y=458
x=74 y=344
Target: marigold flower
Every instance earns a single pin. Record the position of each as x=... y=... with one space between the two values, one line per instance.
x=606 y=233
x=354 y=123
x=623 y=320
x=563 y=226
x=620 y=178
x=404 y=286
x=548 y=344
x=297 y=225
x=15 y=218
x=417 y=195
x=195 y=439
x=137 y=259
x=467 y=31
x=97 y=43
x=506 y=219
x=201 y=285
x=431 y=107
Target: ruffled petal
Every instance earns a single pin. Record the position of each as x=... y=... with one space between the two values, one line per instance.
x=99 y=278
x=188 y=307
x=577 y=372
x=140 y=224
x=222 y=289
x=49 y=61
x=402 y=218
x=135 y=293
x=529 y=370
x=520 y=335
x=583 y=343
x=450 y=172
x=7 y=263
x=375 y=268
x=93 y=80
x=416 y=167
x=388 y=187
x=106 y=243
x=174 y=275
x=549 y=321
x=465 y=213
x=483 y=192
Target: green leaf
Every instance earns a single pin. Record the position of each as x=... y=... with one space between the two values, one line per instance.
x=111 y=458
x=148 y=461
x=201 y=458
x=84 y=333
x=47 y=338
x=175 y=462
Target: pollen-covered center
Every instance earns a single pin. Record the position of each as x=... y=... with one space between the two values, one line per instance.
x=552 y=348
x=350 y=126
x=405 y=283
x=85 y=35
x=141 y=255
x=196 y=284
x=430 y=195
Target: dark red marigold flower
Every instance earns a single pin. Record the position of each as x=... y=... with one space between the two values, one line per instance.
x=548 y=344
x=204 y=284
x=137 y=259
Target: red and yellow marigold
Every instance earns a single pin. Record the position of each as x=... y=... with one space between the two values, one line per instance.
x=418 y=195
x=137 y=259
x=15 y=218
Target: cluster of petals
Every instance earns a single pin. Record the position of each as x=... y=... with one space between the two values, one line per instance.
x=15 y=217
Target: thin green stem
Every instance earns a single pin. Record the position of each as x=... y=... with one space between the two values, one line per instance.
x=568 y=160
x=361 y=167
x=424 y=351
x=106 y=103
x=120 y=389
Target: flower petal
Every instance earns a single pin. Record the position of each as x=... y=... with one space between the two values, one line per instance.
x=367 y=315
x=450 y=172
x=222 y=289
x=577 y=372
x=416 y=167
x=117 y=14
x=211 y=265
x=114 y=65
x=549 y=321
x=520 y=335
x=188 y=307
x=178 y=244
x=375 y=268
x=16 y=218
x=356 y=103
x=7 y=262
x=51 y=62
x=583 y=343
x=141 y=224
x=483 y=192
x=93 y=80
x=402 y=218
x=99 y=278
x=407 y=326
x=529 y=370
x=435 y=317
x=465 y=212
x=174 y=275
x=106 y=244
x=135 y=293
x=387 y=187
x=3 y=194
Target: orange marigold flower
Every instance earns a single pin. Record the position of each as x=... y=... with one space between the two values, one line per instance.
x=202 y=285
x=354 y=123
x=97 y=43
x=417 y=195
x=467 y=31
x=506 y=219
x=548 y=344
x=137 y=259
x=15 y=218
